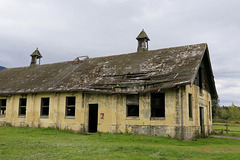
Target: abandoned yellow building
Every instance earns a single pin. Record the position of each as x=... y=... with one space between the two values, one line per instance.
x=165 y=92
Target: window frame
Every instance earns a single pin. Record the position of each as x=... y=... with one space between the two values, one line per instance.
x=190 y=106
x=200 y=81
x=210 y=115
x=43 y=106
x=70 y=106
x=132 y=101
x=22 y=107
x=3 y=107
x=159 y=110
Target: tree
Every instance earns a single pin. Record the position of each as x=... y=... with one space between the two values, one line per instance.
x=234 y=112
x=215 y=106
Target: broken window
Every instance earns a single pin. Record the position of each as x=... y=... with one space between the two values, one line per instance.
x=157 y=105
x=3 y=103
x=132 y=105
x=22 y=106
x=190 y=105
x=70 y=106
x=44 y=107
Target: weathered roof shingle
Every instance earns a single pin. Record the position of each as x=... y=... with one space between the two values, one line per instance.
x=133 y=72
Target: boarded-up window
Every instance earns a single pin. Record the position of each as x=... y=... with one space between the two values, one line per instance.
x=132 y=105
x=3 y=103
x=190 y=105
x=44 y=107
x=70 y=106
x=22 y=106
x=157 y=105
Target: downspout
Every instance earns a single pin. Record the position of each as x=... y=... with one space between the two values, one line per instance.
x=182 y=125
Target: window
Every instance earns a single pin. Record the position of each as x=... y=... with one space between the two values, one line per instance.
x=157 y=105
x=210 y=115
x=70 y=106
x=3 y=103
x=200 y=80
x=22 y=106
x=190 y=105
x=44 y=107
x=132 y=105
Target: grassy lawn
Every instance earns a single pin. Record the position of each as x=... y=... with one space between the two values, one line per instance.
x=39 y=143
x=233 y=134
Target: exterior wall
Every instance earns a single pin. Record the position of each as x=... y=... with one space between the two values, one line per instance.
x=56 y=118
x=176 y=122
x=199 y=99
x=162 y=126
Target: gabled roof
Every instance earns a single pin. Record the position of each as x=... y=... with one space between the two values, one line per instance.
x=142 y=34
x=36 y=53
x=125 y=73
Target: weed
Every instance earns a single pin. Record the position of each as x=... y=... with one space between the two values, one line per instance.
x=49 y=143
x=126 y=130
x=199 y=135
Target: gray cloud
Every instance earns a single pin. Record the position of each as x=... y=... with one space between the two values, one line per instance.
x=65 y=29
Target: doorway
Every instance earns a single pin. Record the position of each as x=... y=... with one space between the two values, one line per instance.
x=201 y=119
x=93 y=118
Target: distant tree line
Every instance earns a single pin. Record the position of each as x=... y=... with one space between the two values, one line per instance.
x=226 y=113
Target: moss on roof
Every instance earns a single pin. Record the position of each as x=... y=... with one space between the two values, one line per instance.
x=164 y=68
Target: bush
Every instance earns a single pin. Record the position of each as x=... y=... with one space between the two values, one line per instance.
x=226 y=114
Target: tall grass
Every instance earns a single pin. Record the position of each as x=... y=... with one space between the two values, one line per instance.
x=46 y=143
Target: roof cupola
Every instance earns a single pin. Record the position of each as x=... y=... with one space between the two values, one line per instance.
x=35 y=55
x=142 y=42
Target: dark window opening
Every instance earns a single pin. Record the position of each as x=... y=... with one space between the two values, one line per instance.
x=201 y=112
x=44 y=107
x=210 y=115
x=3 y=103
x=70 y=106
x=133 y=110
x=157 y=105
x=132 y=105
x=22 y=106
x=142 y=43
x=190 y=105
x=200 y=80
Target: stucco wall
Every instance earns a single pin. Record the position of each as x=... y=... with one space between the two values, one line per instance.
x=175 y=124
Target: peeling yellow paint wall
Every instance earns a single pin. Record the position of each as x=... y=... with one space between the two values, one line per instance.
x=200 y=99
x=176 y=122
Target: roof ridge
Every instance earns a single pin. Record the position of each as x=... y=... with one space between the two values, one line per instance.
x=148 y=51
x=40 y=65
x=179 y=46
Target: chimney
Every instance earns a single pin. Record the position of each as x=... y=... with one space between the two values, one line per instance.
x=142 y=42
x=35 y=55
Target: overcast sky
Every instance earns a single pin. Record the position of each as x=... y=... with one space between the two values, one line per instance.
x=65 y=29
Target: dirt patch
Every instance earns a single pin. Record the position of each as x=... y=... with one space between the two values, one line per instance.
x=227 y=137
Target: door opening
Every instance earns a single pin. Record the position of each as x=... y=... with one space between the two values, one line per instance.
x=93 y=118
x=201 y=111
